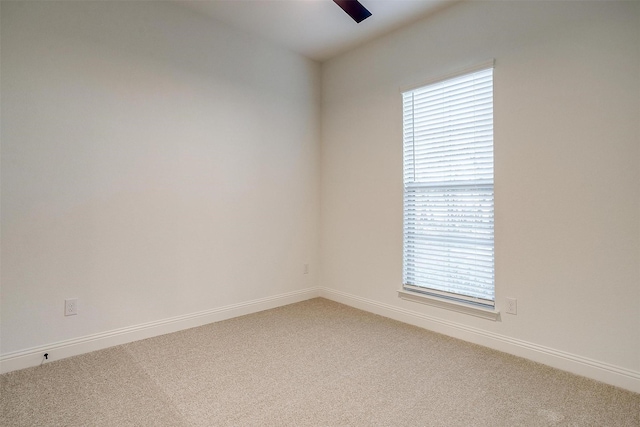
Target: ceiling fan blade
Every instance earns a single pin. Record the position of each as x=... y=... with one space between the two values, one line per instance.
x=354 y=9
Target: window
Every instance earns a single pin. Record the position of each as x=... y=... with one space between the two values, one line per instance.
x=448 y=189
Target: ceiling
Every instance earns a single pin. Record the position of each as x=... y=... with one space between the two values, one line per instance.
x=317 y=29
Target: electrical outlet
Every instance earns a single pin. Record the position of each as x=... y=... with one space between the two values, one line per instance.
x=306 y=269
x=512 y=306
x=71 y=307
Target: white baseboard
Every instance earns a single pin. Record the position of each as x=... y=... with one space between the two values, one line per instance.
x=63 y=349
x=607 y=373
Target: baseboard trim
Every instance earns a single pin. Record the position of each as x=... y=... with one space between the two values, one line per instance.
x=73 y=347
x=604 y=372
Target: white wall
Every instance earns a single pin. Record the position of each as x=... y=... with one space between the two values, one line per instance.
x=154 y=164
x=567 y=169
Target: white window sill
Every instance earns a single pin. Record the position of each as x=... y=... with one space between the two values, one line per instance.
x=485 y=313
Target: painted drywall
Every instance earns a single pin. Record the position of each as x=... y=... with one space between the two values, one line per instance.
x=155 y=163
x=567 y=167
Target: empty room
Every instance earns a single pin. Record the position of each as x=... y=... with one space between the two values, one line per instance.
x=320 y=213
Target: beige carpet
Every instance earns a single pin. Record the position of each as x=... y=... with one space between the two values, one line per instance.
x=315 y=363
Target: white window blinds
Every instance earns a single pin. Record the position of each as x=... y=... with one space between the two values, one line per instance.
x=448 y=188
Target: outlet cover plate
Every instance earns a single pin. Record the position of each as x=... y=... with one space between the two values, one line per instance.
x=71 y=307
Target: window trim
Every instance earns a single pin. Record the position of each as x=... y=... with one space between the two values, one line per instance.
x=450 y=304
x=465 y=306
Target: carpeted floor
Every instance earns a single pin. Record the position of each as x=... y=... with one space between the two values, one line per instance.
x=315 y=363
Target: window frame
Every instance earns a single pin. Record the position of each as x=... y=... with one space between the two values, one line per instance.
x=431 y=296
